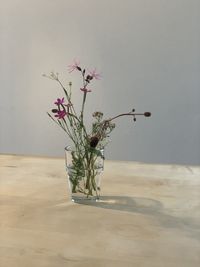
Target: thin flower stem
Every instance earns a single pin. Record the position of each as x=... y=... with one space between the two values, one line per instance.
x=59 y=123
x=126 y=114
x=56 y=122
x=64 y=123
x=67 y=95
x=80 y=122
x=72 y=110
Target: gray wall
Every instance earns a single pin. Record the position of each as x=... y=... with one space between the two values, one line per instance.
x=147 y=51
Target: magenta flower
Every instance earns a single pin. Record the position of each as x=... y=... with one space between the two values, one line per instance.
x=61 y=114
x=74 y=66
x=94 y=74
x=59 y=101
x=86 y=90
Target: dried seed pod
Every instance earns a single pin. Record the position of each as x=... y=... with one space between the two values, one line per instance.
x=147 y=114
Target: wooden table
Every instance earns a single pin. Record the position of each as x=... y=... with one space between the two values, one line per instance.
x=149 y=216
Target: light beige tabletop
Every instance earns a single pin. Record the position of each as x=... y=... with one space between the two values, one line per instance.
x=149 y=216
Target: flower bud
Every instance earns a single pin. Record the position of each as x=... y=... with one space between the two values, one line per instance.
x=78 y=68
x=54 y=110
x=147 y=114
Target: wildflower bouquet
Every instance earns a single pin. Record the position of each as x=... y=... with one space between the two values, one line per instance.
x=85 y=158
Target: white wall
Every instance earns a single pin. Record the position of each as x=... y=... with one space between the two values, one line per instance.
x=147 y=51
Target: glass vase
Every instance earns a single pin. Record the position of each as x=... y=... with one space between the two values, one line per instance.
x=84 y=168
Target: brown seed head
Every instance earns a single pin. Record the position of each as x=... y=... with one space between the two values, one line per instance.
x=94 y=141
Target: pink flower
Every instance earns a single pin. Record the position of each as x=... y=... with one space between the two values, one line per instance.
x=94 y=74
x=61 y=114
x=59 y=101
x=74 y=66
x=86 y=90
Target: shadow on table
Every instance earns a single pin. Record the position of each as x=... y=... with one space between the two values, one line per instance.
x=124 y=203
x=151 y=207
